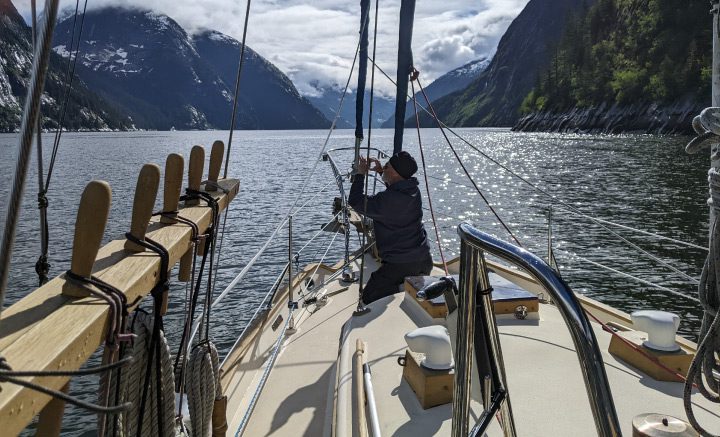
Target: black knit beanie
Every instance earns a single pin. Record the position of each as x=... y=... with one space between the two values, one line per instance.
x=404 y=164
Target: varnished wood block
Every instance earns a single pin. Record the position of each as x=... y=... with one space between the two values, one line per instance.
x=145 y=195
x=216 y=156
x=219 y=417
x=174 y=167
x=195 y=171
x=432 y=387
x=185 y=270
x=89 y=229
x=677 y=361
x=505 y=299
x=202 y=246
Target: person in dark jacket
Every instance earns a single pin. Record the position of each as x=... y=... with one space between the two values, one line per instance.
x=399 y=232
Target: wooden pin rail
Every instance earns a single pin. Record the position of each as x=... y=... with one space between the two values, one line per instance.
x=47 y=330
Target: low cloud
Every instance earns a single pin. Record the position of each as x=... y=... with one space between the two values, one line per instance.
x=314 y=43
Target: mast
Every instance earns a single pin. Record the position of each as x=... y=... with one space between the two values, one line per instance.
x=405 y=61
x=362 y=71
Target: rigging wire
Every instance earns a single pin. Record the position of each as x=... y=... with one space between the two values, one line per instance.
x=425 y=175
x=230 y=137
x=42 y=267
x=467 y=173
x=31 y=111
x=292 y=209
x=319 y=263
x=540 y=190
x=70 y=75
x=237 y=90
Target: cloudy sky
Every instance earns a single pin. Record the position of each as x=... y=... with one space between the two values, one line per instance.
x=314 y=41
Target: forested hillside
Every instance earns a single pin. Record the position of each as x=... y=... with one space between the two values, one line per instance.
x=624 y=53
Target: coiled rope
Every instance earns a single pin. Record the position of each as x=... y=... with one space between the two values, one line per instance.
x=704 y=368
x=202 y=378
x=203 y=387
x=130 y=385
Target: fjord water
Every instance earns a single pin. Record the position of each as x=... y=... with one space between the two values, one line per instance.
x=641 y=181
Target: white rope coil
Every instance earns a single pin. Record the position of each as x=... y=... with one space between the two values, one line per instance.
x=202 y=387
x=704 y=367
x=131 y=383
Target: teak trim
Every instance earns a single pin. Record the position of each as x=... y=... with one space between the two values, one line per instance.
x=48 y=331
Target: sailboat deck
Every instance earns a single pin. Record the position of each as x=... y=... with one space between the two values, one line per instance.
x=546 y=387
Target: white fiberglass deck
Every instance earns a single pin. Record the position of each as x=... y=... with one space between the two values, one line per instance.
x=544 y=380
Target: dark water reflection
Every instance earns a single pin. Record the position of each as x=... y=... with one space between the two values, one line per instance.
x=641 y=181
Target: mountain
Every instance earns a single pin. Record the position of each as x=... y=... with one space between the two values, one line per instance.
x=164 y=78
x=449 y=82
x=626 y=65
x=524 y=51
x=85 y=110
x=265 y=91
x=327 y=100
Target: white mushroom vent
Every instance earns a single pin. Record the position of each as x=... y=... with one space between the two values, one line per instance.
x=434 y=342
x=660 y=326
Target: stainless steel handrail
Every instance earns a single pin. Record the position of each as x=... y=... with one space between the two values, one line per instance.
x=473 y=244
x=380 y=152
x=347 y=270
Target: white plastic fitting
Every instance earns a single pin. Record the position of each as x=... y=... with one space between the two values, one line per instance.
x=660 y=326
x=434 y=342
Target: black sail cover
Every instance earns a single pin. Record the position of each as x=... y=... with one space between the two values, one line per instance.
x=362 y=72
x=405 y=63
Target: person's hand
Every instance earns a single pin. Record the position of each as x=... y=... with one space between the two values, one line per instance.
x=376 y=166
x=362 y=166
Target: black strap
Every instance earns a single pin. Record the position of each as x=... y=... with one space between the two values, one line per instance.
x=117 y=300
x=12 y=377
x=212 y=234
x=158 y=292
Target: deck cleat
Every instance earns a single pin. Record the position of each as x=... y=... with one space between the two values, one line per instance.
x=348 y=275
x=661 y=425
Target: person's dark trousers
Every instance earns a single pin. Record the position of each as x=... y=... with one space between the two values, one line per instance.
x=385 y=280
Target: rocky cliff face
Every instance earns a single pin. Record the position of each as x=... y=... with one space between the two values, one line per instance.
x=626 y=65
x=648 y=118
x=524 y=51
x=85 y=109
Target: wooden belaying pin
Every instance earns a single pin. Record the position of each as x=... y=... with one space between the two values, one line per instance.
x=90 y=224
x=145 y=195
x=174 y=168
x=216 y=157
x=185 y=270
x=195 y=171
